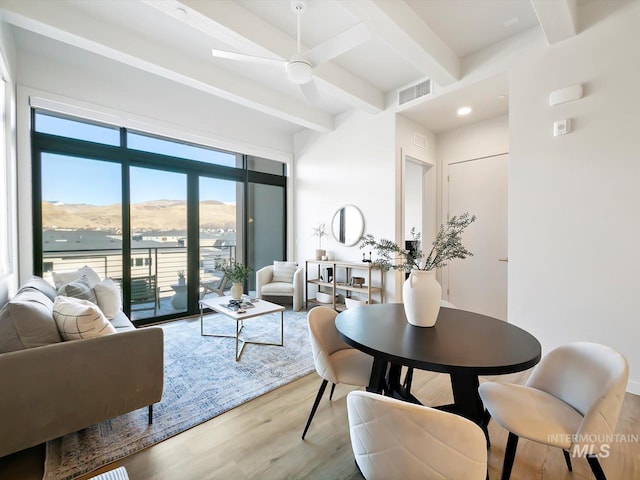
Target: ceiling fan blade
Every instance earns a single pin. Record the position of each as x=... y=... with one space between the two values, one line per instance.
x=341 y=43
x=246 y=58
x=311 y=93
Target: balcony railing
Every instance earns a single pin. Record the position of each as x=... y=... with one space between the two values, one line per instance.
x=161 y=263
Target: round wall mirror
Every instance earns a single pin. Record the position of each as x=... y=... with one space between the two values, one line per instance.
x=347 y=225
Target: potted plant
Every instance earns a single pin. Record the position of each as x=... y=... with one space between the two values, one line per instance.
x=181 y=279
x=320 y=231
x=237 y=273
x=422 y=292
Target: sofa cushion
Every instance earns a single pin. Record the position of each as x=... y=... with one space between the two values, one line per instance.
x=108 y=297
x=78 y=319
x=79 y=288
x=122 y=323
x=62 y=278
x=26 y=322
x=283 y=271
x=40 y=284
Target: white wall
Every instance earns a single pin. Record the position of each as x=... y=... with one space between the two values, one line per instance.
x=8 y=214
x=573 y=219
x=481 y=139
x=354 y=164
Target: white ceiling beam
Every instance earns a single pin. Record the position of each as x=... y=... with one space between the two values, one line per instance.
x=233 y=24
x=68 y=26
x=396 y=24
x=557 y=18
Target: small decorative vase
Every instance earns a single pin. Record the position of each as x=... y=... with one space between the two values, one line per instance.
x=320 y=253
x=181 y=281
x=421 y=294
x=236 y=290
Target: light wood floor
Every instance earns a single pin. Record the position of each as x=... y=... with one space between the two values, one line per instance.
x=261 y=440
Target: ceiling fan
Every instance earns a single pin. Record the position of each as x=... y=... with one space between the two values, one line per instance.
x=299 y=68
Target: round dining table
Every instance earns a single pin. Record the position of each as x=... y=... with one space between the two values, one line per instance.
x=462 y=344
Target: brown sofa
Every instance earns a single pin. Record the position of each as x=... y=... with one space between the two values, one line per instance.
x=49 y=387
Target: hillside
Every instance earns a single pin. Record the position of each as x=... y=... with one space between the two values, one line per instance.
x=161 y=215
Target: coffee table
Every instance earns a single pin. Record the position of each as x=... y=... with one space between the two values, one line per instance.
x=260 y=307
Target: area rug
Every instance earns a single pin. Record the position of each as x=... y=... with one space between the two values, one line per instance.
x=202 y=380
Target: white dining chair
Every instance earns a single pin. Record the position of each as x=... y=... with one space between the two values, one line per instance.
x=395 y=439
x=571 y=400
x=335 y=361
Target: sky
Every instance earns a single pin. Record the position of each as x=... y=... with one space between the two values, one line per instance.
x=77 y=180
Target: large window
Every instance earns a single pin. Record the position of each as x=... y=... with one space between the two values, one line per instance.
x=157 y=215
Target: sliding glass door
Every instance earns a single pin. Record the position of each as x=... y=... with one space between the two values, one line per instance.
x=157 y=215
x=158 y=218
x=221 y=236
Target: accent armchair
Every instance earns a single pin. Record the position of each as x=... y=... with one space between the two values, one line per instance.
x=282 y=279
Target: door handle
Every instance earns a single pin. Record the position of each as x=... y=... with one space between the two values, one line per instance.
x=503 y=259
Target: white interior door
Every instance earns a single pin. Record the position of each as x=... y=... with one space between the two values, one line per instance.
x=479 y=283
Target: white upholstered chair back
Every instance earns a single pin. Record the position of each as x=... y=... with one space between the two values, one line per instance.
x=392 y=439
x=590 y=377
x=325 y=341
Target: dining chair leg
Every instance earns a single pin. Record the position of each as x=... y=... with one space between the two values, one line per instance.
x=509 y=456
x=333 y=387
x=567 y=460
x=486 y=418
x=595 y=467
x=323 y=385
x=408 y=379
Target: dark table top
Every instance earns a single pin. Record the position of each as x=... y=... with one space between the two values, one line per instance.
x=459 y=341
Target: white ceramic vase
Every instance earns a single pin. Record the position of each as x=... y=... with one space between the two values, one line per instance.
x=320 y=253
x=421 y=294
x=236 y=290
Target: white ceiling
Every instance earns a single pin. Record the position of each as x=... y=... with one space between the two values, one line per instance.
x=411 y=40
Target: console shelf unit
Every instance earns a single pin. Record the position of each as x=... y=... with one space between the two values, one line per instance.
x=313 y=271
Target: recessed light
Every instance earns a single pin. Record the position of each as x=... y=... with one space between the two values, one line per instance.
x=181 y=12
x=462 y=111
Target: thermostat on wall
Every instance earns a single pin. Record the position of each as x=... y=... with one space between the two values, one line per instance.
x=561 y=127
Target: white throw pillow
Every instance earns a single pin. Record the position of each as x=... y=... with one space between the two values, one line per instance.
x=283 y=271
x=62 y=278
x=108 y=296
x=77 y=319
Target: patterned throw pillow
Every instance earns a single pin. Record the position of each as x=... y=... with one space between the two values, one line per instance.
x=283 y=271
x=77 y=319
x=79 y=288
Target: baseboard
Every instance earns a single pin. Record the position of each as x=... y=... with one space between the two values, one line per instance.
x=633 y=387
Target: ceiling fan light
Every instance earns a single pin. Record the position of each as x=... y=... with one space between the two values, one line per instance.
x=299 y=71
